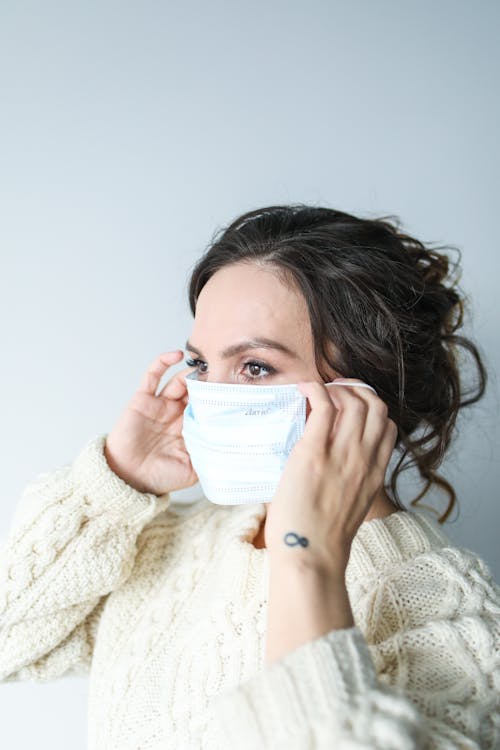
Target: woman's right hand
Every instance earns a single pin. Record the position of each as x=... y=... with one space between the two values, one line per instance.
x=145 y=448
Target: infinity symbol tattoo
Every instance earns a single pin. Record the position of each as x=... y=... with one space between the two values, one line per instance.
x=302 y=540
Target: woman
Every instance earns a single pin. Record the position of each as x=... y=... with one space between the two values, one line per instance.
x=201 y=625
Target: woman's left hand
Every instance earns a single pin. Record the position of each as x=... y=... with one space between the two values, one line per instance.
x=331 y=477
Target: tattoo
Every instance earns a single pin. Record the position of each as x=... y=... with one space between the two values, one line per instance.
x=297 y=539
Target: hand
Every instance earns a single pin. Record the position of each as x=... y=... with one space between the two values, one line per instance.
x=145 y=447
x=331 y=477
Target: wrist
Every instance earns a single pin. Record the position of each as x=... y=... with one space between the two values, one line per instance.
x=329 y=567
x=121 y=473
x=293 y=575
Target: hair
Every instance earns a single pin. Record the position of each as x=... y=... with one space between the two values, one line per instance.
x=382 y=309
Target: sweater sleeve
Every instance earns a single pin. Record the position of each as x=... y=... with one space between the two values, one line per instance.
x=431 y=685
x=72 y=541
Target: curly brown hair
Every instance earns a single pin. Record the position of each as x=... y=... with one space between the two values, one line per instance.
x=386 y=303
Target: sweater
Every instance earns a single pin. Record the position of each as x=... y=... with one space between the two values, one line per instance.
x=163 y=604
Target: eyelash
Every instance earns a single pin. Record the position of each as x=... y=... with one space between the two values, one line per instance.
x=270 y=370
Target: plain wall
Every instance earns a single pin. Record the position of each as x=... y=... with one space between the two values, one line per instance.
x=131 y=131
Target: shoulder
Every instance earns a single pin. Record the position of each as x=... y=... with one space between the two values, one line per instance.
x=411 y=543
x=405 y=572
x=426 y=606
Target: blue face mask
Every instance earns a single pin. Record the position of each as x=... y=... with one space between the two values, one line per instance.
x=239 y=436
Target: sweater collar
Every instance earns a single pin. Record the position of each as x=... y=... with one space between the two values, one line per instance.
x=379 y=543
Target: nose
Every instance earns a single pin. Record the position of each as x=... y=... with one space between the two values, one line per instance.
x=218 y=375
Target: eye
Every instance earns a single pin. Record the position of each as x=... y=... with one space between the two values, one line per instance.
x=261 y=366
x=194 y=363
x=250 y=364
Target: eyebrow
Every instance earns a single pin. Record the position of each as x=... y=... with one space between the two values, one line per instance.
x=256 y=343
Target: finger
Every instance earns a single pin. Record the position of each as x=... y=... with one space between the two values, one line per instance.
x=387 y=444
x=352 y=383
x=376 y=420
x=157 y=369
x=320 y=420
x=352 y=410
x=176 y=387
x=377 y=411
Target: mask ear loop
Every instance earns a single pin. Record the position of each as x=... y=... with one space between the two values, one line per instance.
x=354 y=385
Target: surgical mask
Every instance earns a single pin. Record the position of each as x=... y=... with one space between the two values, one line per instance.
x=239 y=437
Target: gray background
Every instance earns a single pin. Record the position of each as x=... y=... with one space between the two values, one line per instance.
x=130 y=131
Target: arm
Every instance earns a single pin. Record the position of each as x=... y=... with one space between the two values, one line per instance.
x=71 y=542
x=303 y=605
x=426 y=684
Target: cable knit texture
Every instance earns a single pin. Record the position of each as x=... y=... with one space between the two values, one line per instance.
x=164 y=605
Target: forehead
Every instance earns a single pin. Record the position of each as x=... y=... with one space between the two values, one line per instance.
x=241 y=301
x=246 y=289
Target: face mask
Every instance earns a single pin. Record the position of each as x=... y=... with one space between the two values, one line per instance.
x=239 y=436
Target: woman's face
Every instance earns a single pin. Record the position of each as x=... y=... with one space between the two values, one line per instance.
x=241 y=303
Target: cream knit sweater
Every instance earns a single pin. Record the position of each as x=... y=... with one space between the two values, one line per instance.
x=165 y=605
